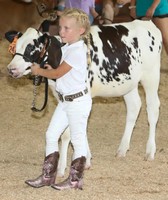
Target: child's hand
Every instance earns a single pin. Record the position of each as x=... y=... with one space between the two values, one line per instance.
x=47 y=66
x=35 y=69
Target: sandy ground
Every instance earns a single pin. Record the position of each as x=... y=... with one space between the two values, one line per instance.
x=22 y=145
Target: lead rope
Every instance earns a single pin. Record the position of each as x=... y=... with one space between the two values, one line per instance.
x=33 y=108
x=34 y=93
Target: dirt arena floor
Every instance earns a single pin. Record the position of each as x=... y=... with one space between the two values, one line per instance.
x=22 y=145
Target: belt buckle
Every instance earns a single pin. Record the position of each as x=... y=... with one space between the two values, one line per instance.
x=68 y=98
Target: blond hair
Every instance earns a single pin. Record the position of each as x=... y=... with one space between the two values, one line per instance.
x=81 y=17
x=82 y=20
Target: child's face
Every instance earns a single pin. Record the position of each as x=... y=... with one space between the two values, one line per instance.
x=69 y=30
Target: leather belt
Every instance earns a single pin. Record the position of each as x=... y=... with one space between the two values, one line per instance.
x=72 y=96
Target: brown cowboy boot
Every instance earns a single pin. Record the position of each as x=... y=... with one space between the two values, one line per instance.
x=75 y=176
x=49 y=171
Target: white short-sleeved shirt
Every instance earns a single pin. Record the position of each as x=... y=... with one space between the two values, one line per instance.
x=74 y=81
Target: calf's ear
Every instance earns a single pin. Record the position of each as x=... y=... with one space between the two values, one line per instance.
x=44 y=39
x=10 y=35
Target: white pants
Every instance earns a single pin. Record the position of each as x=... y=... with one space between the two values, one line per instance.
x=75 y=115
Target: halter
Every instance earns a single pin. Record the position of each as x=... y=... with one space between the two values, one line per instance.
x=25 y=57
x=38 y=79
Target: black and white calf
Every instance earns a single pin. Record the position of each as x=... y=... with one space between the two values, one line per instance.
x=123 y=55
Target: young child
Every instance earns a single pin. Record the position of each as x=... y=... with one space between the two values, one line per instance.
x=75 y=102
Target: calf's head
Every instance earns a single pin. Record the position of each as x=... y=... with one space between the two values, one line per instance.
x=33 y=46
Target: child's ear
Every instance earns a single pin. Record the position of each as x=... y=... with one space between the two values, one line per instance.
x=82 y=30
